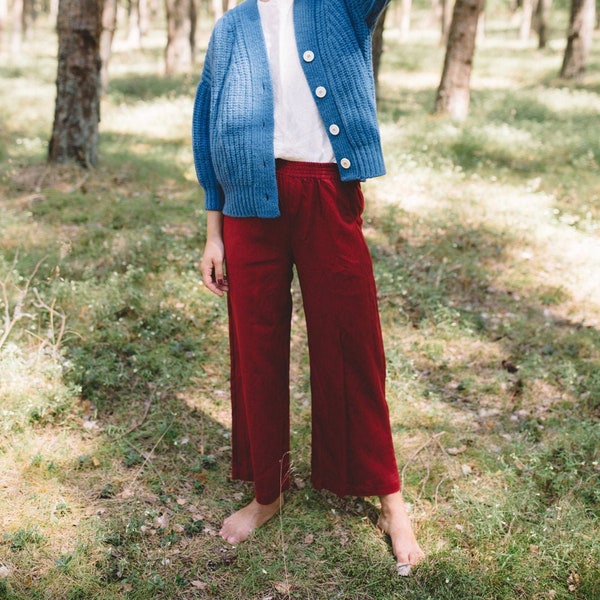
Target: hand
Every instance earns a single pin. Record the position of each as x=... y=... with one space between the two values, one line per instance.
x=212 y=265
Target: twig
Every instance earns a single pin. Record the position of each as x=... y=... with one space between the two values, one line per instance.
x=281 y=534
x=434 y=438
x=52 y=312
x=10 y=320
x=147 y=457
x=137 y=425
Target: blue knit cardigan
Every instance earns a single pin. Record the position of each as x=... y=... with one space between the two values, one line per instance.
x=233 y=124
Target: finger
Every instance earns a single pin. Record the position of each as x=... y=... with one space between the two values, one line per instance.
x=209 y=279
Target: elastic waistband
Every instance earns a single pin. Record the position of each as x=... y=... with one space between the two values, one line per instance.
x=306 y=169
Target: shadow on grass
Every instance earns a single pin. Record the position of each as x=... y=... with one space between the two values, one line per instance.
x=544 y=374
x=144 y=88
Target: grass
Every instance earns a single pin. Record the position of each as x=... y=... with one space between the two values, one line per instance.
x=115 y=430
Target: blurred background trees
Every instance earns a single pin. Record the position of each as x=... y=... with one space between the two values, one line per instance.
x=460 y=25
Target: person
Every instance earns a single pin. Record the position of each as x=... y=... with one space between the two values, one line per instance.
x=284 y=131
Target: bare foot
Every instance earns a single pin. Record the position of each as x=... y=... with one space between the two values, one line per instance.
x=238 y=527
x=395 y=521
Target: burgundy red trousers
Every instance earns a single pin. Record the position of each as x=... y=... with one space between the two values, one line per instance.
x=320 y=232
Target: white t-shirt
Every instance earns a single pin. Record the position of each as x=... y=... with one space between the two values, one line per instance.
x=299 y=131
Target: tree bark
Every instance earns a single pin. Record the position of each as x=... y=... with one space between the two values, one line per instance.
x=28 y=19
x=144 y=9
x=77 y=110
x=453 y=94
x=180 y=31
x=526 y=20
x=541 y=22
x=579 y=39
x=109 y=26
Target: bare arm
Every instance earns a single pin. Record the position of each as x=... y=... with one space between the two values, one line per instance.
x=213 y=260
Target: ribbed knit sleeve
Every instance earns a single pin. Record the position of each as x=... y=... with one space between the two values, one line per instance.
x=213 y=195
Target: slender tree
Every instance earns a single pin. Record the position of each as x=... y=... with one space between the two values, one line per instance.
x=579 y=38
x=181 y=27
x=220 y=6
x=28 y=18
x=3 y=17
x=405 y=13
x=453 y=94
x=109 y=26
x=134 y=33
x=526 y=19
x=77 y=110
x=542 y=14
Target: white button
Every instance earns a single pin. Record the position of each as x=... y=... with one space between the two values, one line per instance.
x=308 y=56
x=320 y=92
x=334 y=129
x=345 y=163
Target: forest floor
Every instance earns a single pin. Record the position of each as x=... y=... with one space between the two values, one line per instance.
x=115 y=427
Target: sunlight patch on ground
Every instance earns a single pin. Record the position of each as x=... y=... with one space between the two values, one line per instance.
x=170 y=118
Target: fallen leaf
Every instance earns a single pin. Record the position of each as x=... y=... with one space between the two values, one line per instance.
x=162 y=521
x=573 y=581
x=458 y=450
x=309 y=539
x=200 y=585
x=201 y=477
x=283 y=587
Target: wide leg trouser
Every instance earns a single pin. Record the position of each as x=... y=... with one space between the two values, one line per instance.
x=319 y=231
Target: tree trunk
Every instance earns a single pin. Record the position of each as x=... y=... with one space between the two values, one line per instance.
x=144 y=9
x=377 y=46
x=526 y=19
x=454 y=91
x=134 y=35
x=180 y=30
x=445 y=18
x=17 y=27
x=405 y=10
x=109 y=26
x=3 y=17
x=28 y=18
x=53 y=11
x=579 y=39
x=77 y=111
x=541 y=22
x=217 y=7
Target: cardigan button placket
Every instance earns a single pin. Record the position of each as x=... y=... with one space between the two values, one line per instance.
x=320 y=92
x=345 y=163
x=334 y=129
x=308 y=56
